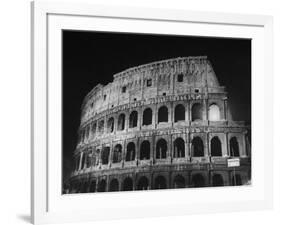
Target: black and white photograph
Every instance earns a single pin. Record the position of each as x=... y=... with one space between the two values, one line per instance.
x=150 y=111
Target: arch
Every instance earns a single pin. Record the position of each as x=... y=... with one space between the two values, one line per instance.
x=179 y=181
x=234 y=147
x=198 y=180
x=196 y=112
x=236 y=180
x=94 y=129
x=110 y=125
x=217 y=180
x=93 y=186
x=117 y=153
x=197 y=147
x=145 y=150
x=133 y=119
x=216 y=147
x=102 y=185
x=147 y=117
x=131 y=151
x=143 y=183
x=101 y=126
x=105 y=155
x=214 y=112
x=84 y=188
x=160 y=183
x=128 y=184
x=179 y=113
x=114 y=185
x=179 y=148
x=121 y=121
x=161 y=149
x=163 y=114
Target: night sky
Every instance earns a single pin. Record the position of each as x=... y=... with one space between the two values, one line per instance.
x=90 y=58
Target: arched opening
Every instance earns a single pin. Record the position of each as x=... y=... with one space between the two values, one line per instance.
x=161 y=149
x=179 y=149
x=214 y=113
x=179 y=182
x=145 y=150
x=94 y=129
x=160 y=183
x=197 y=112
x=216 y=147
x=147 y=117
x=121 y=122
x=234 y=147
x=131 y=152
x=133 y=119
x=198 y=180
x=217 y=180
x=117 y=154
x=114 y=185
x=93 y=186
x=197 y=147
x=105 y=155
x=143 y=183
x=128 y=184
x=101 y=126
x=84 y=188
x=162 y=114
x=179 y=113
x=236 y=180
x=110 y=125
x=102 y=186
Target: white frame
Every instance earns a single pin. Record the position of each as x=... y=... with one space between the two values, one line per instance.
x=40 y=100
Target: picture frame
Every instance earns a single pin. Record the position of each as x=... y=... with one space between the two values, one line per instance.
x=48 y=205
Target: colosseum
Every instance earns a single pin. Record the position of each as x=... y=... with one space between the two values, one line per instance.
x=161 y=125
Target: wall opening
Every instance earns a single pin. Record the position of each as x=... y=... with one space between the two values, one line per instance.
x=93 y=186
x=143 y=183
x=117 y=154
x=197 y=147
x=147 y=117
x=161 y=149
x=102 y=185
x=145 y=150
x=236 y=180
x=105 y=155
x=83 y=161
x=110 y=125
x=234 y=147
x=198 y=180
x=179 y=182
x=133 y=119
x=179 y=113
x=216 y=147
x=163 y=114
x=214 y=113
x=131 y=151
x=179 y=148
x=101 y=126
x=160 y=183
x=217 y=180
x=197 y=112
x=128 y=184
x=121 y=122
x=84 y=188
x=114 y=185
x=180 y=77
x=94 y=129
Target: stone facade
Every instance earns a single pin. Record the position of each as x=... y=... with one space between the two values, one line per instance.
x=161 y=125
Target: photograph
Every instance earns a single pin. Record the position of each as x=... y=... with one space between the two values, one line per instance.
x=144 y=111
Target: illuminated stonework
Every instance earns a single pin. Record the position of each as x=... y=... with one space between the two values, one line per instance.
x=160 y=125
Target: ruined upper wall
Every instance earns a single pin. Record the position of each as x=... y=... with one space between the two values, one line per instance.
x=152 y=80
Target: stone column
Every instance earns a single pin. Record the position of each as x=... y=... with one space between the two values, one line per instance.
x=80 y=162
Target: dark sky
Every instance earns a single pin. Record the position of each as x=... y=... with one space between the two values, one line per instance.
x=90 y=58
